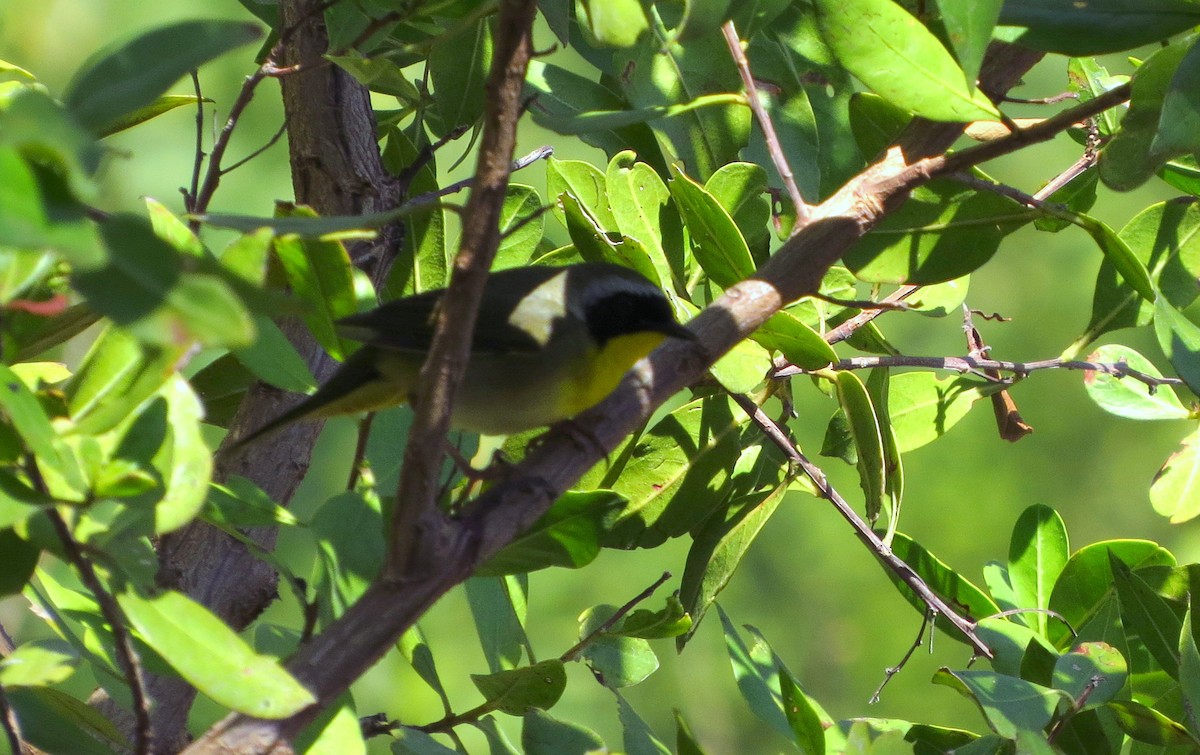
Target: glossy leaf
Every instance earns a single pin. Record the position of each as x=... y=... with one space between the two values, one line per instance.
x=318 y=274
x=241 y=503
x=1129 y=397
x=38 y=663
x=799 y=344
x=518 y=691
x=117 y=81
x=498 y=608
x=1068 y=28
x=944 y=231
x=946 y=582
x=717 y=242
x=521 y=227
x=741 y=188
x=458 y=68
x=1085 y=584
x=616 y=661
x=1143 y=611
x=594 y=244
x=1127 y=161
x=639 y=199
x=1179 y=338
x=1010 y=705
x=898 y=58
x=583 y=181
x=543 y=734
x=1092 y=674
x=864 y=428
x=567 y=535
x=1165 y=238
x=210 y=656
x=969 y=28
x=923 y=407
x=717 y=550
x=1148 y=725
x=1037 y=554
x=1175 y=492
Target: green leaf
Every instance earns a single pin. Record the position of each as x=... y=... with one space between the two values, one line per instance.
x=241 y=503
x=273 y=359
x=613 y=23
x=1189 y=670
x=1010 y=705
x=1147 y=614
x=941 y=299
x=498 y=744
x=53 y=721
x=163 y=104
x=717 y=550
x=616 y=661
x=678 y=472
x=583 y=181
x=952 y=586
x=20 y=407
x=1179 y=123
x=799 y=344
x=1093 y=669
x=543 y=734
x=519 y=690
x=211 y=657
x=498 y=606
x=639 y=200
x=18 y=557
x=1175 y=492
x=1037 y=554
x=742 y=189
x=335 y=731
x=805 y=716
x=318 y=273
x=567 y=535
x=414 y=742
x=415 y=649
x=1179 y=339
x=670 y=621
x=458 y=67
x=423 y=263
x=923 y=406
x=685 y=741
x=875 y=123
x=1066 y=27
x=1165 y=237
x=755 y=678
x=969 y=28
x=1116 y=251
x=944 y=231
x=637 y=736
x=897 y=57
x=38 y=663
x=348 y=530
x=1148 y=725
x=1128 y=397
x=594 y=244
x=716 y=240
x=1085 y=584
x=1127 y=161
x=119 y=80
x=521 y=227
x=864 y=428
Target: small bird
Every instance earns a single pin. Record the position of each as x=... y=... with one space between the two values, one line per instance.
x=549 y=342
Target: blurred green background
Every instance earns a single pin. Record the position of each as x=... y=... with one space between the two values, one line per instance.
x=808 y=584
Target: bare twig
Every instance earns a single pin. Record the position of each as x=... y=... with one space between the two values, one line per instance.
x=891 y=671
x=198 y=161
x=1009 y=422
x=12 y=727
x=851 y=326
x=1042 y=100
x=127 y=658
x=270 y=143
x=734 y=42
x=981 y=366
x=933 y=602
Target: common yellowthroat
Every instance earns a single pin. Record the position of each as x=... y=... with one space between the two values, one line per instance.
x=549 y=342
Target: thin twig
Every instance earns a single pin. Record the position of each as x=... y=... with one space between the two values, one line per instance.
x=981 y=366
x=194 y=186
x=864 y=304
x=12 y=727
x=1009 y=422
x=933 y=602
x=1041 y=100
x=926 y=621
x=851 y=326
x=734 y=42
x=270 y=143
x=127 y=658
x=608 y=624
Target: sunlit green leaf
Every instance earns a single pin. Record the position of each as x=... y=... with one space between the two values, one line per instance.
x=1175 y=492
x=517 y=691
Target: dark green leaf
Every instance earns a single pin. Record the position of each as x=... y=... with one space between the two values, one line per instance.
x=545 y=735
x=717 y=242
x=805 y=716
x=864 y=428
x=210 y=655
x=1147 y=614
x=685 y=742
x=119 y=80
x=18 y=559
x=897 y=57
x=671 y=621
x=875 y=122
x=53 y=721
x=273 y=359
x=458 y=67
x=241 y=503
x=1065 y=27
x=944 y=231
x=1117 y=252
x=946 y=582
x=567 y=535
x=1189 y=671
x=498 y=606
x=348 y=529
x=163 y=104
x=518 y=691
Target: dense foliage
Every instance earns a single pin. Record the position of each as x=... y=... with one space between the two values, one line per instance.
x=788 y=236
